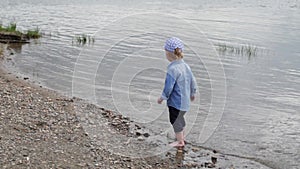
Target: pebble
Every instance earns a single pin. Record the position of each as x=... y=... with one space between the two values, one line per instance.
x=214 y=160
x=141 y=138
x=195 y=149
x=146 y=134
x=209 y=165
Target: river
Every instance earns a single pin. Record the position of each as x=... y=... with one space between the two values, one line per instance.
x=245 y=56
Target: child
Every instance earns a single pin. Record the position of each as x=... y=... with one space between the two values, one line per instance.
x=180 y=88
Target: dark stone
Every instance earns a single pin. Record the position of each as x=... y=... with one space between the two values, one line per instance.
x=206 y=164
x=138 y=133
x=114 y=123
x=214 y=160
x=209 y=165
x=146 y=134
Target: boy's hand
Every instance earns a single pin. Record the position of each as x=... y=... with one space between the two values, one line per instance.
x=192 y=98
x=159 y=100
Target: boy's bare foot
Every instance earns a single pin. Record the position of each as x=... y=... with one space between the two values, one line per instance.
x=177 y=144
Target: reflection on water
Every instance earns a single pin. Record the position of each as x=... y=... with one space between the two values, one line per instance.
x=16 y=47
x=261 y=118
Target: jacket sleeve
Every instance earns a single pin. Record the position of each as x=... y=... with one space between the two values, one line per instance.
x=193 y=85
x=168 y=88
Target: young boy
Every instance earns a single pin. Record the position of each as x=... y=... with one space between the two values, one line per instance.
x=180 y=87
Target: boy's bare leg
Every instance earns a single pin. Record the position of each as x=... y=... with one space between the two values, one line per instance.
x=183 y=132
x=180 y=140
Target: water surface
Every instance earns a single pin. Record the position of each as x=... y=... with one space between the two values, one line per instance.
x=261 y=116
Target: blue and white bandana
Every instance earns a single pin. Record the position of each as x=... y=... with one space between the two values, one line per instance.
x=173 y=43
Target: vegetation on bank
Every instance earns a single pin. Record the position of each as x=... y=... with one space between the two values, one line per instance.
x=11 y=34
x=10 y=28
x=34 y=34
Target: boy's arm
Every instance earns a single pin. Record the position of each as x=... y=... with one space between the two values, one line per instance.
x=193 y=86
x=169 y=85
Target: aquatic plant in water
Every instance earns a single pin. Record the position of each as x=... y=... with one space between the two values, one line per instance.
x=34 y=33
x=83 y=39
x=244 y=50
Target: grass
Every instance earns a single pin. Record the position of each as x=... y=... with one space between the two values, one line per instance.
x=34 y=33
x=83 y=39
x=244 y=50
x=12 y=28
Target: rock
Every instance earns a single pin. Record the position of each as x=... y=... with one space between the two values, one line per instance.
x=137 y=126
x=195 y=149
x=125 y=118
x=214 y=160
x=146 y=134
x=141 y=138
x=127 y=159
x=191 y=165
x=209 y=165
x=138 y=133
x=114 y=123
x=142 y=132
x=168 y=154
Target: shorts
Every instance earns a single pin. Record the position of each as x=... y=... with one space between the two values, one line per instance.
x=176 y=119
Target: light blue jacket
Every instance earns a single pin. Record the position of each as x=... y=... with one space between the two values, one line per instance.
x=180 y=85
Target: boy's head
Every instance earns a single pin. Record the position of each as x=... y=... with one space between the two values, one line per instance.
x=174 y=48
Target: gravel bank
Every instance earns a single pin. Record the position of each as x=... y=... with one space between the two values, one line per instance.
x=39 y=129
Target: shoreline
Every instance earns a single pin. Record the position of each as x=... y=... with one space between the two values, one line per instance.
x=39 y=128
x=42 y=128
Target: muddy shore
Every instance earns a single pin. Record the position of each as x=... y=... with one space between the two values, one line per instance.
x=40 y=128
